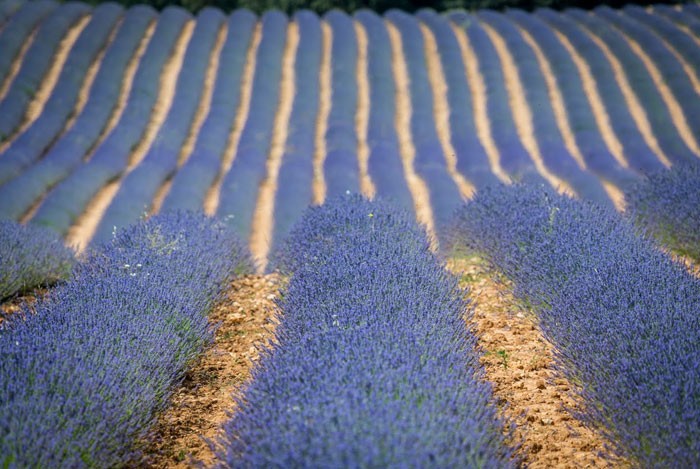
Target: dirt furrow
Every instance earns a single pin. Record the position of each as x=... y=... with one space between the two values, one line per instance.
x=48 y=83
x=200 y=115
x=127 y=82
x=562 y=118
x=687 y=68
x=89 y=80
x=477 y=87
x=324 y=109
x=416 y=186
x=362 y=116
x=263 y=217
x=590 y=87
x=518 y=361
x=441 y=110
x=633 y=104
x=203 y=402
x=206 y=97
x=82 y=231
x=555 y=97
x=522 y=114
x=166 y=94
x=211 y=200
x=677 y=115
x=17 y=63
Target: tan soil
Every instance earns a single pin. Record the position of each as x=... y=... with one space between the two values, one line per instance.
x=555 y=97
x=205 y=99
x=85 y=226
x=477 y=87
x=82 y=231
x=441 y=111
x=204 y=401
x=16 y=64
x=263 y=218
x=416 y=186
x=200 y=115
x=13 y=305
x=211 y=200
x=633 y=104
x=160 y=196
x=677 y=115
x=166 y=93
x=48 y=83
x=522 y=114
x=518 y=361
x=685 y=29
x=561 y=116
x=362 y=114
x=89 y=80
x=324 y=109
x=601 y=116
x=80 y=234
x=687 y=68
x=127 y=82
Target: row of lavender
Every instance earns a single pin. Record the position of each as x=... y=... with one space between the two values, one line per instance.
x=622 y=315
x=85 y=369
x=58 y=169
x=371 y=364
x=352 y=344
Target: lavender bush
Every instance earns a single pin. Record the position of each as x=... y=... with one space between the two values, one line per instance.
x=85 y=374
x=667 y=205
x=31 y=257
x=623 y=317
x=373 y=365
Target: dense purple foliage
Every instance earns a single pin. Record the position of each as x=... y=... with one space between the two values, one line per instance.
x=31 y=257
x=623 y=317
x=667 y=205
x=83 y=376
x=373 y=364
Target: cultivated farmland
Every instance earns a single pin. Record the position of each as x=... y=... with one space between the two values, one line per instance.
x=109 y=115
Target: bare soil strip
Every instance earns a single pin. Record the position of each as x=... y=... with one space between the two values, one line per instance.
x=160 y=195
x=674 y=107
x=211 y=200
x=198 y=120
x=687 y=68
x=590 y=87
x=13 y=305
x=80 y=234
x=166 y=94
x=417 y=187
x=17 y=63
x=82 y=231
x=686 y=30
x=635 y=107
x=43 y=92
x=205 y=98
x=556 y=98
x=204 y=401
x=518 y=362
x=324 y=110
x=562 y=118
x=522 y=114
x=477 y=87
x=127 y=82
x=362 y=116
x=89 y=80
x=441 y=111
x=263 y=217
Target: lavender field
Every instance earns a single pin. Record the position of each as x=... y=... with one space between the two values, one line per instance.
x=548 y=159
